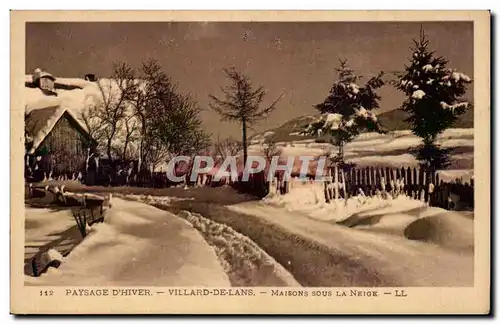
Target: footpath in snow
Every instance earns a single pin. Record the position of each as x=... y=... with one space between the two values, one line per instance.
x=138 y=245
x=245 y=263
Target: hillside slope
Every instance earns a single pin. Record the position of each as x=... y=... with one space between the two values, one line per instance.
x=391 y=120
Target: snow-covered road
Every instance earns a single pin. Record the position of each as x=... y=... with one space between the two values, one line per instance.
x=139 y=245
x=390 y=260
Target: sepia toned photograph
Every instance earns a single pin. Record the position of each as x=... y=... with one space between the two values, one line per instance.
x=273 y=159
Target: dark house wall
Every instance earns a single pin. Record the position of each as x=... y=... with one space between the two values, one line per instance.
x=67 y=146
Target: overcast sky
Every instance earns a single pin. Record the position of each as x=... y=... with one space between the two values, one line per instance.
x=297 y=59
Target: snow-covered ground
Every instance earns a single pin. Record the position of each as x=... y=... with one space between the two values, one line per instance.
x=377 y=242
x=48 y=229
x=138 y=245
x=385 y=257
x=366 y=242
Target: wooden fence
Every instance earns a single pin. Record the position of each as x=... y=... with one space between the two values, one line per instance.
x=412 y=182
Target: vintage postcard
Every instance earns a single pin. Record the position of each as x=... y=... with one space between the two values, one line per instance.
x=258 y=162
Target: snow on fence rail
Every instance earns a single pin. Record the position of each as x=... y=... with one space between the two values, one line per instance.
x=411 y=181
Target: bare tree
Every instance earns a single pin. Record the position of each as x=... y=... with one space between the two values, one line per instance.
x=157 y=152
x=144 y=100
x=92 y=121
x=167 y=120
x=242 y=103
x=227 y=147
x=146 y=113
x=131 y=128
x=178 y=125
x=111 y=109
x=271 y=149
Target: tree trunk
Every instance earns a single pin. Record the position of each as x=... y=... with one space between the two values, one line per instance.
x=142 y=150
x=144 y=153
x=108 y=149
x=125 y=148
x=245 y=153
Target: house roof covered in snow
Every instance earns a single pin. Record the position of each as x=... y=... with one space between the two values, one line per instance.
x=40 y=122
x=46 y=75
x=44 y=110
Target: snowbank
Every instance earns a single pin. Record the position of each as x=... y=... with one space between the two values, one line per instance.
x=139 y=245
x=360 y=257
x=448 y=229
x=309 y=199
x=414 y=220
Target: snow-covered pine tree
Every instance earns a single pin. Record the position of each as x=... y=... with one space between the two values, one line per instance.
x=433 y=103
x=347 y=110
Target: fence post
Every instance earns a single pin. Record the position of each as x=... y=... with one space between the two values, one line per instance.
x=377 y=179
x=409 y=182
x=372 y=181
x=404 y=181
x=352 y=183
x=368 y=181
x=384 y=177
x=425 y=174
x=446 y=195
x=328 y=184
x=344 y=185
x=437 y=192
x=326 y=188
x=359 y=180
x=394 y=178
x=336 y=182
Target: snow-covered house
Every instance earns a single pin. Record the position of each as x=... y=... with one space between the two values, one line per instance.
x=57 y=136
x=55 y=139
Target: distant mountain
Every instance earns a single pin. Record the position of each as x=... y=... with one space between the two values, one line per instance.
x=287 y=132
x=391 y=120
x=394 y=120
